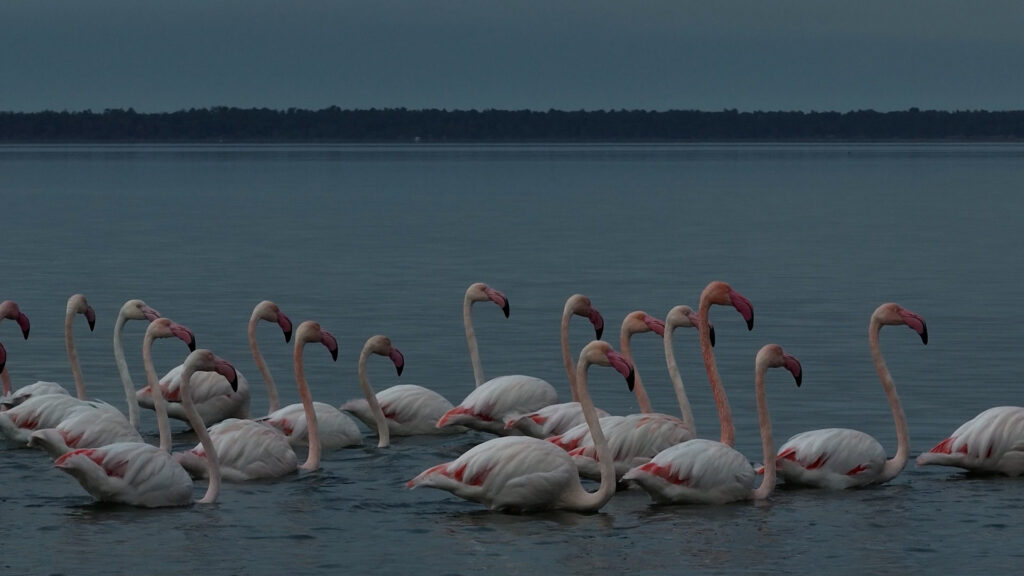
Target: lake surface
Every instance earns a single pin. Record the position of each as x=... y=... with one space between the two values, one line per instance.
x=385 y=239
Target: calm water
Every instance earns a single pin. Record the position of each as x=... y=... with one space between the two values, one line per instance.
x=385 y=240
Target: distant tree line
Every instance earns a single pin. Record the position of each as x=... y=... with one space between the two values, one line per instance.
x=227 y=124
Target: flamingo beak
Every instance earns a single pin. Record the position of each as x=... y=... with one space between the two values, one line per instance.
x=24 y=324
x=598 y=321
x=150 y=313
x=225 y=369
x=328 y=340
x=498 y=298
x=185 y=335
x=624 y=367
x=793 y=365
x=90 y=317
x=916 y=323
x=399 y=360
x=286 y=326
x=3 y=357
x=743 y=306
x=655 y=325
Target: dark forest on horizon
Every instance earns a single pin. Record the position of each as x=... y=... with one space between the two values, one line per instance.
x=393 y=125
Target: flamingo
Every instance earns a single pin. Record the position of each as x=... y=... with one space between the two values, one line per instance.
x=214 y=401
x=141 y=474
x=991 y=443
x=558 y=418
x=87 y=427
x=497 y=400
x=524 y=474
x=707 y=472
x=250 y=450
x=841 y=458
x=10 y=310
x=337 y=430
x=637 y=438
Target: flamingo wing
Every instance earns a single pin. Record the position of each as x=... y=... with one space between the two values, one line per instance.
x=336 y=429
x=992 y=442
x=495 y=401
x=129 y=473
x=831 y=458
x=698 y=471
x=410 y=410
x=246 y=449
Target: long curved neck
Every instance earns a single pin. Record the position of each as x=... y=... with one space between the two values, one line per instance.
x=194 y=420
x=313 y=430
x=383 y=432
x=638 y=386
x=262 y=365
x=474 y=353
x=159 y=404
x=593 y=501
x=567 y=361
x=894 y=465
x=122 y=370
x=677 y=382
x=717 y=390
x=767 y=445
x=69 y=345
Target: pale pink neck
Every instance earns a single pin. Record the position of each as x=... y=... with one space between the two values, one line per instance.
x=383 y=432
x=257 y=356
x=639 y=391
x=194 y=420
x=767 y=445
x=474 y=353
x=69 y=345
x=894 y=465
x=567 y=361
x=313 y=431
x=583 y=501
x=122 y=370
x=677 y=381
x=159 y=404
x=717 y=390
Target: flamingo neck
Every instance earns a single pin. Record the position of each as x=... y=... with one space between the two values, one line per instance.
x=474 y=353
x=638 y=386
x=257 y=356
x=593 y=501
x=894 y=465
x=122 y=370
x=194 y=420
x=69 y=345
x=677 y=382
x=767 y=445
x=567 y=361
x=313 y=430
x=717 y=390
x=159 y=404
x=383 y=432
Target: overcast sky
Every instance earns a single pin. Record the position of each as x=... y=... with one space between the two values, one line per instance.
x=512 y=54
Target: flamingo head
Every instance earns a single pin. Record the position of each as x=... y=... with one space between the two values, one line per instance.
x=9 y=309
x=480 y=292
x=203 y=360
x=382 y=345
x=722 y=294
x=638 y=322
x=601 y=353
x=580 y=305
x=77 y=304
x=773 y=356
x=892 y=314
x=683 y=316
x=3 y=357
x=167 y=328
x=136 y=309
x=267 y=310
x=329 y=342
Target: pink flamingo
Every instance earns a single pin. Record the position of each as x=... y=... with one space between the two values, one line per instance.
x=140 y=474
x=707 y=472
x=337 y=430
x=214 y=400
x=991 y=443
x=559 y=418
x=10 y=310
x=524 y=474
x=493 y=402
x=842 y=458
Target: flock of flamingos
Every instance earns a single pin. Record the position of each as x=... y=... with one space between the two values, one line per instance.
x=543 y=447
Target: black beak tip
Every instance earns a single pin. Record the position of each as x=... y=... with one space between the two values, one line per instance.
x=288 y=336
x=25 y=333
x=399 y=369
x=192 y=345
x=631 y=380
x=505 y=309
x=750 y=323
x=234 y=383
x=712 y=335
x=334 y=354
x=598 y=332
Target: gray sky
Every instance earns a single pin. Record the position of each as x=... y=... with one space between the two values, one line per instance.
x=512 y=54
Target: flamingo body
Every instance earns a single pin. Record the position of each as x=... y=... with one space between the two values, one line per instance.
x=699 y=471
x=552 y=420
x=410 y=410
x=47 y=411
x=992 y=442
x=247 y=450
x=40 y=388
x=835 y=458
x=214 y=398
x=513 y=474
x=633 y=439
x=489 y=406
x=336 y=429
x=129 y=473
